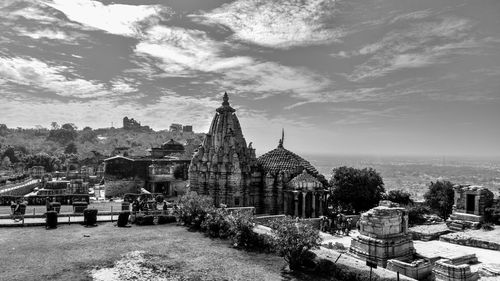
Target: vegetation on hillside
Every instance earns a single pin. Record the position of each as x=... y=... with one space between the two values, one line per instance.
x=55 y=145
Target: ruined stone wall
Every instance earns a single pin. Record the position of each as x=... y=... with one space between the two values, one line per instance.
x=445 y=270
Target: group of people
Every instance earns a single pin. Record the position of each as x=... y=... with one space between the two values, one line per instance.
x=144 y=205
x=336 y=224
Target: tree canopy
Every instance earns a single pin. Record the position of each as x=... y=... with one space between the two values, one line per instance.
x=440 y=197
x=356 y=189
x=398 y=196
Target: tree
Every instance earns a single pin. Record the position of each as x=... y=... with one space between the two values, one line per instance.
x=6 y=162
x=69 y=127
x=293 y=240
x=3 y=130
x=54 y=126
x=66 y=134
x=440 y=197
x=356 y=189
x=71 y=148
x=399 y=196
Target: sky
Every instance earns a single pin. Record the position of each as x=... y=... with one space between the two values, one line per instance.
x=378 y=77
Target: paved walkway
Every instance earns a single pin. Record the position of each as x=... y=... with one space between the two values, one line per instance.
x=62 y=219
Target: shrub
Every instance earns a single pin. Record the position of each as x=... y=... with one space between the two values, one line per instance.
x=217 y=224
x=123 y=219
x=145 y=220
x=492 y=215
x=192 y=209
x=90 y=217
x=487 y=226
x=293 y=240
x=163 y=219
x=51 y=219
x=416 y=214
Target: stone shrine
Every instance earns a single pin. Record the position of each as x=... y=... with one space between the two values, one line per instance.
x=278 y=182
x=470 y=204
x=224 y=166
x=383 y=236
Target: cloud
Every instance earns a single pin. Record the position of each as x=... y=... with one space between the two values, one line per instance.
x=126 y=20
x=186 y=52
x=278 y=24
x=38 y=74
x=415 y=46
x=51 y=34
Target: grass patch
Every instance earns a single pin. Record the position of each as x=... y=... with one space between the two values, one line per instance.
x=33 y=253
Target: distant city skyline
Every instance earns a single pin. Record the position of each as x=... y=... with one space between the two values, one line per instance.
x=383 y=77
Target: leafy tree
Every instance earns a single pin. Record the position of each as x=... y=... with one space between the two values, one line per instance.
x=66 y=134
x=3 y=130
x=358 y=189
x=54 y=126
x=440 y=197
x=10 y=152
x=399 y=196
x=6 y=162
x=293 y=240
x=69 y=127
x=71 y=148
x=87 y=135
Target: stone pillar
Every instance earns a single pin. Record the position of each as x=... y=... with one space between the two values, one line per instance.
x=321 y=204
x=296 y=201
x=285 y=202
x=304 y=204
x=313 y=213
x=476 y=205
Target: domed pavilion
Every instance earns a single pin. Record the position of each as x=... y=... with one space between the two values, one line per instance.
x=291 y=185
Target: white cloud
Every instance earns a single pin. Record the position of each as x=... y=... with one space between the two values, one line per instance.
x=115 y=18
x=36 y=73
x=185 y=52
x=418 y=45
x=278 y=24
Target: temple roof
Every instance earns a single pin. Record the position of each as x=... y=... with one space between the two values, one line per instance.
x=281 y=159
x=305 y=177
x=172 y=145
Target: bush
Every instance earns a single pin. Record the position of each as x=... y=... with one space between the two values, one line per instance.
x=492 y=215
x=487 y=226
x=192 y=209
x=416 y=214
x=217 y=224
x=123 y=219
x=243 y=236
x=163 y=219
x=293 y=240
x=51 y=219
x=145 y=220
x=90 y=217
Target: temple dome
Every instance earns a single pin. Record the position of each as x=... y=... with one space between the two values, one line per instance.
x=281 y=159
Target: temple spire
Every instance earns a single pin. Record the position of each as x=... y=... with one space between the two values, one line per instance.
x=225 y=105
x=225 y=99
x=280 y=144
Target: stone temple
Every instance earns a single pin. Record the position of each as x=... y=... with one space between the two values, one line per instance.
x=279 y=182
x=383 y=235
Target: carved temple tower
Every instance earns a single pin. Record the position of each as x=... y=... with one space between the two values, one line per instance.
x=224 y=167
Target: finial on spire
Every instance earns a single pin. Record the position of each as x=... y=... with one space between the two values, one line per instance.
x=280 y=144
x=225 y=99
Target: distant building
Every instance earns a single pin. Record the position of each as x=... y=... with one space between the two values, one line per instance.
x=131 y=124
x=168 y=148
x=175 y=127
x=187 y=129
x=165 y=170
